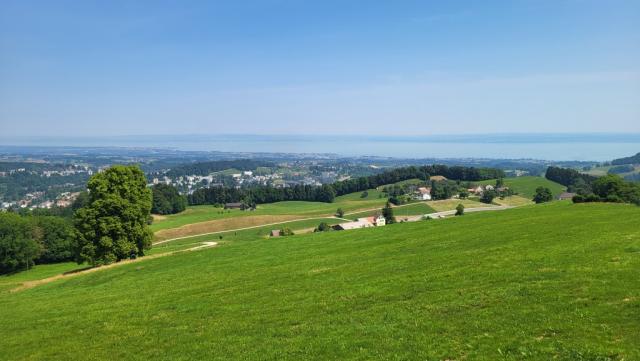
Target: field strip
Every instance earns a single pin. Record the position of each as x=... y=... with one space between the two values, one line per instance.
x=30 y=284
x=221 y=225
x=380 y=208
x=452 y=212
x=245 y=228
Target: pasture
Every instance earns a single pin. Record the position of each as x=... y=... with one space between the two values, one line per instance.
x=209 y=218
x=526 y=186
x=552 y=281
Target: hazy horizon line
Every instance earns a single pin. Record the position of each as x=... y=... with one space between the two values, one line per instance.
x=492 y=137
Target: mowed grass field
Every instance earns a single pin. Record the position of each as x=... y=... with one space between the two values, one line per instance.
x=557 y=281
x=411 y=209
x=283 y=211
x=257 y=233
x=526 y=185
x=514 y=201
x=449 y=204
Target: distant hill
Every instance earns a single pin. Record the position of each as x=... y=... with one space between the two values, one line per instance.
x=634 y=159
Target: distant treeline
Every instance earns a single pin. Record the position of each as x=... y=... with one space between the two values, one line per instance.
x=327 y=193
x=262 y=194
x=206 y=168
x=619 y=169
x=28 y=240
x=568 y=177
x=634 y=159
x=424 y=172
x=610 y=188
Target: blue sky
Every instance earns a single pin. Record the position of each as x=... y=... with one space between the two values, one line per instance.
x=321 y=67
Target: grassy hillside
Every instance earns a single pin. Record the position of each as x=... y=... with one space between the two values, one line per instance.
x=554 y=281
x=526 y=186
x=298 y=209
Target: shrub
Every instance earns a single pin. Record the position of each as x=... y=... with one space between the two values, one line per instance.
x=323 y=227
x=487 y=196
x=542 y=195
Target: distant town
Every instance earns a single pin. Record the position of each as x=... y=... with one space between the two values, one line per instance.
x=53 y=177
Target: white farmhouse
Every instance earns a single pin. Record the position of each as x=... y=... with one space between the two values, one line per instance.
x=423 y=194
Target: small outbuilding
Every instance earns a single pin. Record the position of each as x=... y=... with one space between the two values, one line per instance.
x=566 y=195
x=236 y=205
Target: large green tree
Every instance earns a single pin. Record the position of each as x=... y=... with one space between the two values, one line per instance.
x=113 y=225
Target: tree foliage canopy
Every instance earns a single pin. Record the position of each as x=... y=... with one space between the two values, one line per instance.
x=327 y=192
x=167 y=200
x=634 y=159
x=30 y=239
x=387 y=213
x=542 y=195
x=18 y=246
x=113 y=225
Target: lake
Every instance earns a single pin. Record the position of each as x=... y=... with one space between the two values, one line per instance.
x=594 y=147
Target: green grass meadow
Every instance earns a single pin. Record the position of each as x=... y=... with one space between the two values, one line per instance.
x=252 y=234
x=556 y=281
x=349 y=203
x=526 y=185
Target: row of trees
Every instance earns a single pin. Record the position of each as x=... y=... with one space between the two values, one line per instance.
x=27 y=240
x=327 y=193
x=570 y=178
x=262 y=194
x=167 y=200
x=108 y=225
x=609 y=188
x=424 y=172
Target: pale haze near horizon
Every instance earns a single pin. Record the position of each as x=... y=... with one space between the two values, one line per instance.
x=277 y=67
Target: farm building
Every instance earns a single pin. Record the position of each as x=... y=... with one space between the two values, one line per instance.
x=565 y=195
x=377 y=220
x=237 y=205
x=374 y=221
x=423 y=194
x=360 y=223
x=275 y=233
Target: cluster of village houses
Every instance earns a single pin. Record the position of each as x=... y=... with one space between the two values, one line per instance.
x=30 y=201
x=191 y=183
x=424 y=193
x=421 y=194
